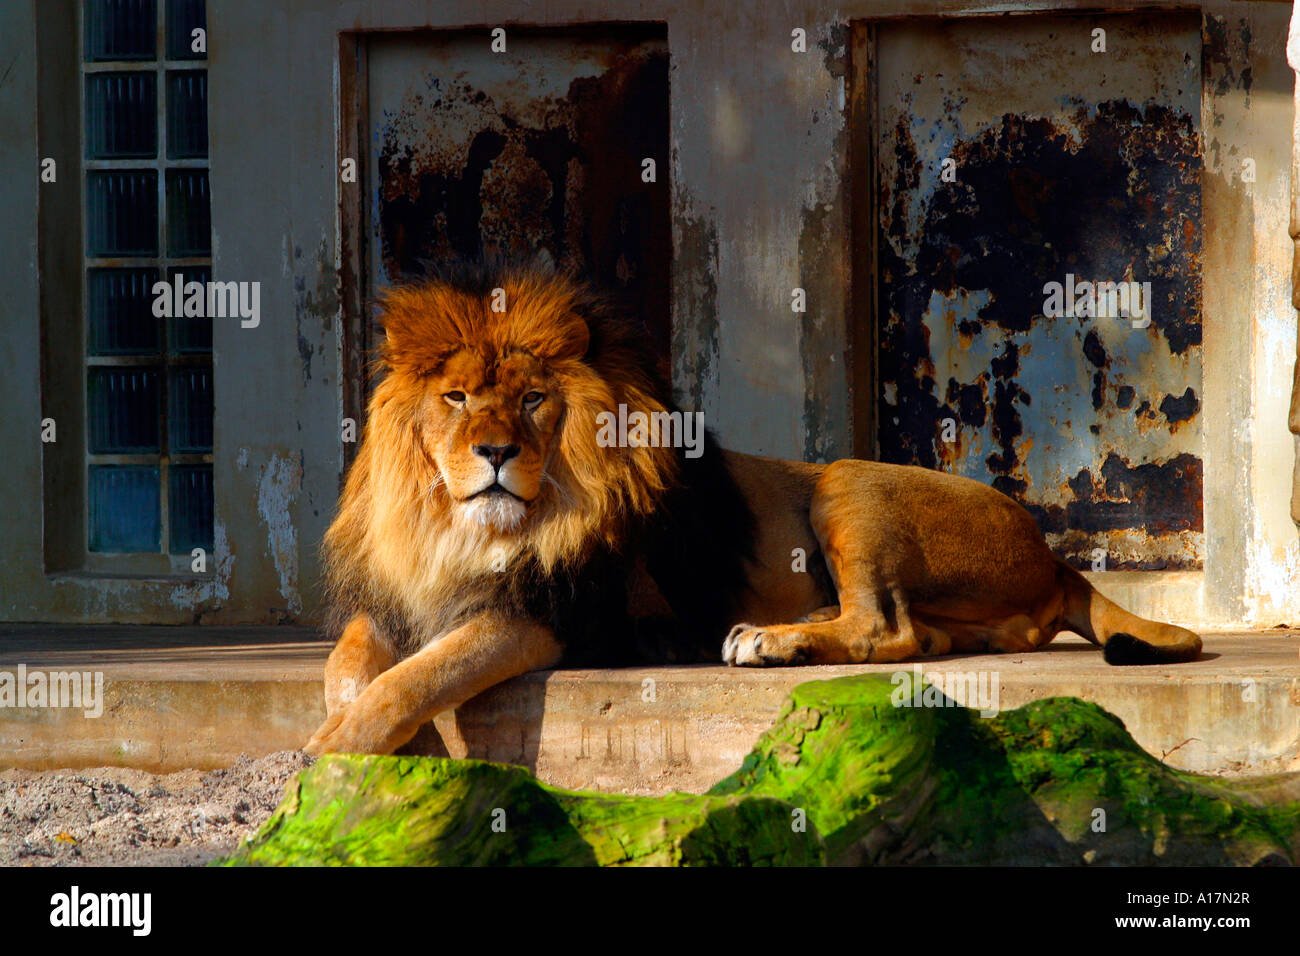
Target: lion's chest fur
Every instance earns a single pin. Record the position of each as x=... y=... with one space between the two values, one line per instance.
x=666 y=589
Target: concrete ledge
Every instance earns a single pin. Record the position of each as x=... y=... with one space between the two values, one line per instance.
x=198 y=697
x=174 y=697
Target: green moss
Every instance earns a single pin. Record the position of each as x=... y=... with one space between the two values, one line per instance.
x=418 y=811
x=847 y=775
x=1074 y=758
x=886 y=783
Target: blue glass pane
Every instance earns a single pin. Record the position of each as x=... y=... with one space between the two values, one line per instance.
x=187 y=114
x=189 y=219
x=121 y=29
x=124 y=508
x=189 y=415
x=122 y=212
x=183 y=17
x=190 y=334
x=123 y=411
x=120 y=312
x=121 y=115
x=189 y=505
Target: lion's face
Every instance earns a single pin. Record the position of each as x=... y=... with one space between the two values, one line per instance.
x=483 y=440
x=489 y=429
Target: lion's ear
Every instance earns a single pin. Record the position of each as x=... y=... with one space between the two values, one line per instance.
x=421 y=327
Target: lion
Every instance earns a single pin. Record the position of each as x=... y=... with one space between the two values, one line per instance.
x=494 y=523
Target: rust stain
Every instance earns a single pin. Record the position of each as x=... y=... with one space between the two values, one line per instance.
x=537 y=163
x=1225 y=54
x=1105 y=190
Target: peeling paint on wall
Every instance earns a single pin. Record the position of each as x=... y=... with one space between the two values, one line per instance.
x=826 y=424
x=225 y=563
x=1226 y=54
x=1089 y=421
x=277 y=489
x=207 y=595
x=315 y=309
x=825 y=428
x=695 y=343
x=1272 y=579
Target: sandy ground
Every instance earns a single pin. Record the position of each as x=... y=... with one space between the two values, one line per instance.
x=111 y=816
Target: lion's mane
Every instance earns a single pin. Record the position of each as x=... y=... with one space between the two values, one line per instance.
x=396 y=552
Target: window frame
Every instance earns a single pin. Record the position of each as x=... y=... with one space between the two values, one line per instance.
x=162 y=561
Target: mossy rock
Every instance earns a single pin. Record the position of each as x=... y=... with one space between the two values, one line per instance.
x=854 y=771
x=1057 y=781
x=430 y=811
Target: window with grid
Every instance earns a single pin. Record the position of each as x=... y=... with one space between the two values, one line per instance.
x=149 y=400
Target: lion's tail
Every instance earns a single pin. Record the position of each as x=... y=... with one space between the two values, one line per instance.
x=1125 y=638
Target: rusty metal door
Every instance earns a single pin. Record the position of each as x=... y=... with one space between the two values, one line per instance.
x=1011 y=154
x=540 y=147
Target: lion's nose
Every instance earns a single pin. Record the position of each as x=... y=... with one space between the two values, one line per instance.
x=498 y=455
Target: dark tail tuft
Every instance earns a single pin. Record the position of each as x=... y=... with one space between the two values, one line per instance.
x=1122 y=649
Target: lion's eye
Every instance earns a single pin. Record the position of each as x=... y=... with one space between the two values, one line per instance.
x=532 y=400
x=455 y=398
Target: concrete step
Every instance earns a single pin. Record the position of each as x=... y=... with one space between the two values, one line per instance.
x=198 y=697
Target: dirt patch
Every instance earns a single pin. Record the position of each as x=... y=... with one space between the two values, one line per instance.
x=112 y=816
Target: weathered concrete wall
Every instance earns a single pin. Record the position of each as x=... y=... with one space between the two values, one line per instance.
x=1249 y=356
x=760 y=205
x=276 y=439
x=21 y=556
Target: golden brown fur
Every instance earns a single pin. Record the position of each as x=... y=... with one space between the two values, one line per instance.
x=483 y=522
x=923 y=563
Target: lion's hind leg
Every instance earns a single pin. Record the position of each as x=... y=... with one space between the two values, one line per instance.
x=1014 y=634
x=864 y=632
x=874 y=624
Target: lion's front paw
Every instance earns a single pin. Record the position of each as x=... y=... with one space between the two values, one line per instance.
x=750 y=646
x=356 y=730
x=319 y=741
x=729 y=643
